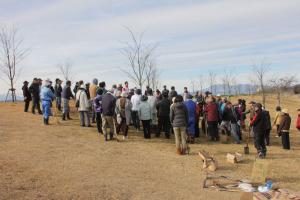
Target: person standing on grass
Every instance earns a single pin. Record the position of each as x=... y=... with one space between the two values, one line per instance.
x=123 y=111
x=277 y=118
x=163 y=109
x=153 y=101
x=27 y=96
x=93 y=92
x=191 y=107
x=259 y=128
x=268 y=127
x=66 y=96
x=83 y=105
x=284 y=129
x=136 y=100
x=179 y=118
x=212 y=117
x=145 y=114
x=34 y=89
x=108 y=115
x=47 y=97
x=57 y=92
x=234 y=118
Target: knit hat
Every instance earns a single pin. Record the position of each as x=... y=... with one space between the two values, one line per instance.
x=95 y=81
x=285 y=110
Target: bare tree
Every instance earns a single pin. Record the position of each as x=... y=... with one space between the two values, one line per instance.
x=282 y=84
x=11 y=54
x=212 y=81
x=152 y=74
x=201 y=82
x=227 y=80
x=140 y=57
x=260 y=70
x=66 y=69
x=193 y=85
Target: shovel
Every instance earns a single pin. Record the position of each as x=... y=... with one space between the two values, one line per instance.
x=246 y=148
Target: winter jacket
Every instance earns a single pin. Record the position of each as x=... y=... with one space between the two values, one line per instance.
x=259 y=122
x=47 y=94
x=226 y=114
x=179 y=116
x=93 y=91
x=101 y=91
x=57 y=90
x=108 y=104
x=163 y=108
x=172 y=94
x=277 y=119
x=126 y=109
x=26 y=93
x=145 y=111
x=234 y=115
x=298 y=123
x=135 y=100
x=191 y=107
x=212 y=112
x=285 y=123
x=34 y=89
x=67 y=93
x=268 y=120
x=84 y=103
x=97 y=102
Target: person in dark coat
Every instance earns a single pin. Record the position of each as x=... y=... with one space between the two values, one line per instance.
x=172 y=93
x=179 y=118
x=108 y=114
x=27 y=96
x=268 y=127
x=75 y=89
x=66 y=96
x=165 y=90
x=259 y=128
x=284 y=129
x=163 y=108
x=87 y=90
x=57 y=92
x=212 y=117
x=191 y=107
x=34 y=90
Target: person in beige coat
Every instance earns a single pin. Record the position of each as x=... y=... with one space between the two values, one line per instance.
x=83 y=106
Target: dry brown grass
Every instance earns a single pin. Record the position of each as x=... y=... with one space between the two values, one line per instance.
x=65 y=161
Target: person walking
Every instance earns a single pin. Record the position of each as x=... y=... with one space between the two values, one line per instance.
x=34 y=89
x=27 y=96
x=47 y=97
x=163 y=109
x=145 y=114
x=57 y=92
x=66 y=96
x=284 y=129
x=191 y=107
x=123 y=111
x=259 y=128
x=93 y=93
x=212 y=117
x=108 y=114
x=83 y=106
x=136 y=100
x=179 y=118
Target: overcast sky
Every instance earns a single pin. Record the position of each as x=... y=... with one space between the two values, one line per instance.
x=194 y=36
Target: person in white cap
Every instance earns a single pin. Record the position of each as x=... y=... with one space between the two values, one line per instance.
x=284 y=129
x=47 y=97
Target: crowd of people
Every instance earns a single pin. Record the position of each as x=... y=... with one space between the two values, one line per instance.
x=185 y=116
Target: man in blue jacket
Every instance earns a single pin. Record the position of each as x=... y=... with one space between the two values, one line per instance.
x=47 y=96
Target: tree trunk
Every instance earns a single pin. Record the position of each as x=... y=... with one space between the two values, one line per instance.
x=13 y=97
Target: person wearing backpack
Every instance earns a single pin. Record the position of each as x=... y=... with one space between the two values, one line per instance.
x=123 y=111
x=83 y=106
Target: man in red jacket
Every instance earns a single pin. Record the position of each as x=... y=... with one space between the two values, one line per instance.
x=212 y=116
x=259 y=128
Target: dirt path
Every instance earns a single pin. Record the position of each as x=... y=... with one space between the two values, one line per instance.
x=65 y=161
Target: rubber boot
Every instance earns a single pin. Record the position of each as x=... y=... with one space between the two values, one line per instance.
x=64 y=117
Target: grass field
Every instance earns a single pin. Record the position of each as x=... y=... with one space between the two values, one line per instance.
x=66 y=161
